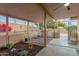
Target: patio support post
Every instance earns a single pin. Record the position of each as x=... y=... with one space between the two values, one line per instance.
x=78 y=31
x=25 y=27
x=28 y=28
x=68 y=32
x=7 y=35
x=45 y=35
x=15 y=25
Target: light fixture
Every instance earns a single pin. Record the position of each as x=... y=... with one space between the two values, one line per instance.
x=66 y=4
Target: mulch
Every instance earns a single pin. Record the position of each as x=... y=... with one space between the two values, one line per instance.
x=19 y=46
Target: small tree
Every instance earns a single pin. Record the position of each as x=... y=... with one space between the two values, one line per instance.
x=53 y=24
x=56 y=24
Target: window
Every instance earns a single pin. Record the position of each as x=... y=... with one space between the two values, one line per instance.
x=2 y=24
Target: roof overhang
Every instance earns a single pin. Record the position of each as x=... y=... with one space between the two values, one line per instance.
x=35 y=12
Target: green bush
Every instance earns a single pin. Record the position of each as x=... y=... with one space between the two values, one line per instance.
x=41 y=26
x=55 y=24
x=9 y=46
x=23 y=53
x=73 y=28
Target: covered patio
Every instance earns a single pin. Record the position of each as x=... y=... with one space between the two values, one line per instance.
x=20 y=29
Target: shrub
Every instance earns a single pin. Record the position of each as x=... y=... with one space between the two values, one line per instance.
x=9 y=46
x=23 y=53
x=73 y=28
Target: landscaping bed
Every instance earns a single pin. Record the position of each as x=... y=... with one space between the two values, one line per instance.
x=20 y=46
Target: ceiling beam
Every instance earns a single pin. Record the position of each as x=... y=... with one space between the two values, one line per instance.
x=44 y=9
x=57 y=7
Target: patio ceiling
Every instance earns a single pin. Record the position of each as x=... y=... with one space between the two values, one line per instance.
x=58 y=10
x=34 y=12
x=23 y=11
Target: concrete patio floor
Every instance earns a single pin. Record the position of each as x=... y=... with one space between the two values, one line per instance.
x=57 y=51
x=59 y=47
x=63 y=41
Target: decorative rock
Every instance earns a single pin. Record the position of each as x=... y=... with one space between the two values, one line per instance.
x=13 y=50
